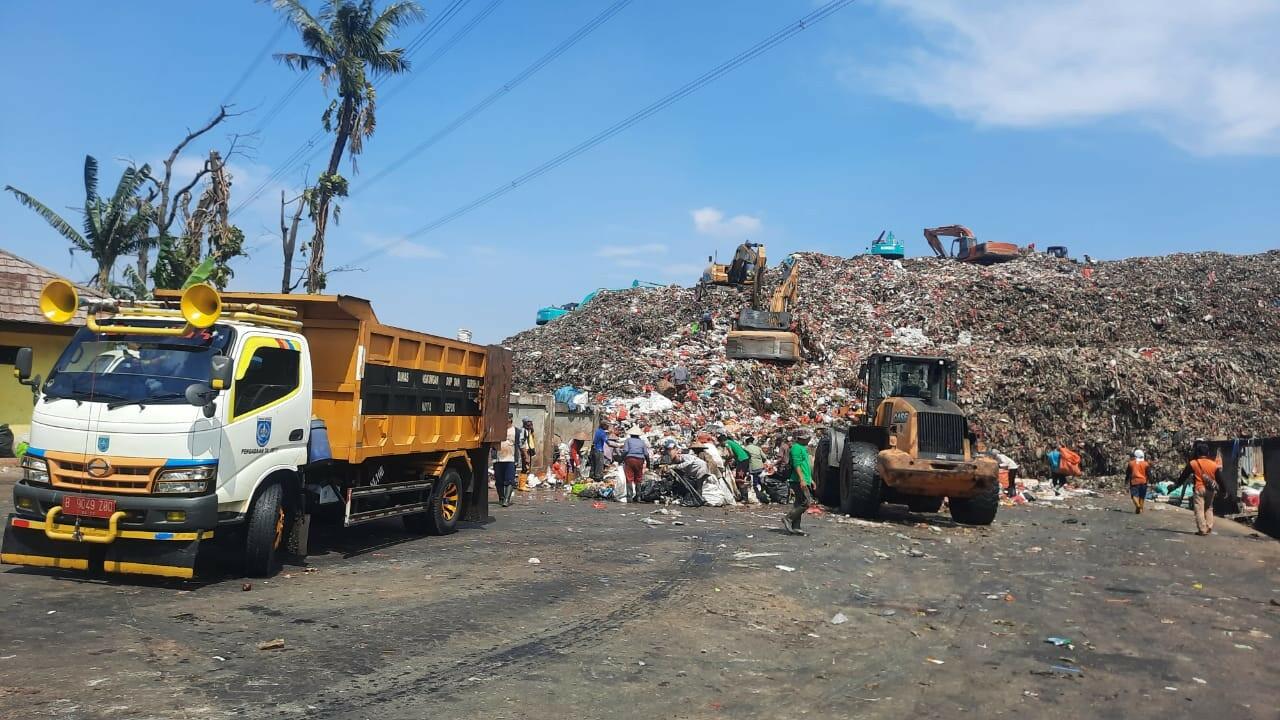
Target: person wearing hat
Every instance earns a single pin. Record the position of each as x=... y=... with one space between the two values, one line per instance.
x=687 y=465
x=801 y=481
x=1137 y=472
x=635 y=454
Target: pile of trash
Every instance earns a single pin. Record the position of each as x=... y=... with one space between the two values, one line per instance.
x=1144 y=352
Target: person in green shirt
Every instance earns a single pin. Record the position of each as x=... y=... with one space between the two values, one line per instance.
x=801 y=481
x=741 y=465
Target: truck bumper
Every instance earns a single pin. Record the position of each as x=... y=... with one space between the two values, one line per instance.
x=950 y=478
x=138 y=539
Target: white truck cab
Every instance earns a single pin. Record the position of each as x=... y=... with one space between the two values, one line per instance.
x=163 y=430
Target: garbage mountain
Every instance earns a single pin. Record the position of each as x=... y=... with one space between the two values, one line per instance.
x=1146 y=352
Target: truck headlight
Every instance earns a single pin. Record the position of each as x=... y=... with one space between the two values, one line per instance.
x=35 y=470
x=186 y=481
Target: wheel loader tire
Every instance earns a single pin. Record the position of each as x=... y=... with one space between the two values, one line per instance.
x=826 y=477
x=977 y=510
x=860 y=487
x=264 y=532
x=924 y=504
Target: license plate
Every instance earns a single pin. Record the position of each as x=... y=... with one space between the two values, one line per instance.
x=88 y=506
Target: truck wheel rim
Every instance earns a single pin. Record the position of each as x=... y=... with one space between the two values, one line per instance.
x=279 y=526
x=449 y=501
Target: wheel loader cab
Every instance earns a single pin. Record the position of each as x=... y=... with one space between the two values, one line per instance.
x=913 y=398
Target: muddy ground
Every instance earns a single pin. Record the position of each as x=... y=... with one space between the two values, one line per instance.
x=624 y=619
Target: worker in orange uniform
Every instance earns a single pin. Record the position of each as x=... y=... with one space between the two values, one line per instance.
x=1208 y=478
x=1137 y=472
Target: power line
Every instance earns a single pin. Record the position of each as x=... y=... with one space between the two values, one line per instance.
x=415 y=44
x=284 y=100
x=494 y=96
x=440 y=51
x=433 y=27
x=782 y=35
x=253 y=65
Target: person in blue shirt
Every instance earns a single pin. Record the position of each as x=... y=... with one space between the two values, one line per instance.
x=1054 y=456
x=598 y=441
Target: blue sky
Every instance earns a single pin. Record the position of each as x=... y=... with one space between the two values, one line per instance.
x=1143 y=129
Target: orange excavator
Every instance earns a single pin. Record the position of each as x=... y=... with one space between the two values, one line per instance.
x=966 y=248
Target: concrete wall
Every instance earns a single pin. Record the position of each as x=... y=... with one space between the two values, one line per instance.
x=46 y=343
x=552 y=423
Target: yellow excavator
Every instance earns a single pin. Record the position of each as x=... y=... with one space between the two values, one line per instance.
x=747 y=268
x=766 y=334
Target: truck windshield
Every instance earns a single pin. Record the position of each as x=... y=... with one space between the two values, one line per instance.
x=135 y=368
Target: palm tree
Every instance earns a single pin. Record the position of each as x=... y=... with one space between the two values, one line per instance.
x=347 y=43
x=113 y=226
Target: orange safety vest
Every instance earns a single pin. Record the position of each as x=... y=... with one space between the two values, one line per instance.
x=1204 y=469
x=1069 y=465
x=1138 y=472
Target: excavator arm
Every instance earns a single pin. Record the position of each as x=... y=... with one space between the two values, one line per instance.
x=956 y=231
x=785 y=294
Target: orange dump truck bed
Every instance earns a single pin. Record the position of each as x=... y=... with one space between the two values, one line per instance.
x=383 y=390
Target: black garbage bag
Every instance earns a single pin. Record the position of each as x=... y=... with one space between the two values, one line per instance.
x=777 y=488
x=653 y=488
x=6 y=442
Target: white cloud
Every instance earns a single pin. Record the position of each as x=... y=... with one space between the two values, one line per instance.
x=401 y=248
x=1200 y=73
x=711 y=221
x=621 y=251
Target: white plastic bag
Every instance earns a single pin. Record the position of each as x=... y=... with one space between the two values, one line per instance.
x=616 y=476
x=716 y=492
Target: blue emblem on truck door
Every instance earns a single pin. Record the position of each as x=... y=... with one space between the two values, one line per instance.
x=104 y=443
x=264 y=431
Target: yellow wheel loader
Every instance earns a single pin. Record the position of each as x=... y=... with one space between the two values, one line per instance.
x=914 y=446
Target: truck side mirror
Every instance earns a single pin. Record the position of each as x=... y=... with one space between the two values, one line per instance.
x=219 y=372
x=22 y=364
x=202 y=396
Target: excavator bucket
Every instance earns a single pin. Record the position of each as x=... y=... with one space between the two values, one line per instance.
x=763 y=345
x=990 y=253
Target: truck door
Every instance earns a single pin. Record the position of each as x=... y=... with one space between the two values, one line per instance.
x=268 y=409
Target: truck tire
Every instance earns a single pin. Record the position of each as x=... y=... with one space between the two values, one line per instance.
x=977 y=510
x=446 y=504
x=264 y=531
x=826 y=477
x=924 y=503
x=860 y=487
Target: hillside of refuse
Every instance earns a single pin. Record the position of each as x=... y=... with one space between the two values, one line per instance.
x=1144 y=352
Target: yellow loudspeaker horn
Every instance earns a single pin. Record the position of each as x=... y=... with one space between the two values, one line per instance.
x=201 y=305
x=59 y=301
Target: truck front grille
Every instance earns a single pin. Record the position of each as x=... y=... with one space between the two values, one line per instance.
x=941 y=433
x=133 y=476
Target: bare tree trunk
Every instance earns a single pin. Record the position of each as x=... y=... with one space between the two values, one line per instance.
x=315 y=264
x=289 y=240
x=103 y=280
x=167 y=209
x=144 y=261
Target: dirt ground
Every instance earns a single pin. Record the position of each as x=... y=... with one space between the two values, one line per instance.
x=911 y=616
